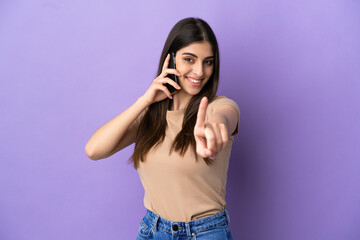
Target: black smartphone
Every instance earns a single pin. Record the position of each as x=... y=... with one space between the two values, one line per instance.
x=172 y=76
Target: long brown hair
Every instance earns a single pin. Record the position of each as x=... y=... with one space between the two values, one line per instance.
x=151 y=130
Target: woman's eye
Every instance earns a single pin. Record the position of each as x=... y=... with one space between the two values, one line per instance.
x=209 y=62
x=188 y=60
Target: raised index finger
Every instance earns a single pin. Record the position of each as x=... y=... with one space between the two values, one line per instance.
x=166 y=62
x=200 y=121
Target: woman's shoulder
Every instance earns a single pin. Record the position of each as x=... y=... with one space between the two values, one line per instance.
x=219 y=101
x=221 y=98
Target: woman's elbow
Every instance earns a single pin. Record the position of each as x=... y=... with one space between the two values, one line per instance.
x=90 y=153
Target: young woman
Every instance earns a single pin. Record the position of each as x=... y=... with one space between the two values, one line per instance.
x=182 y=140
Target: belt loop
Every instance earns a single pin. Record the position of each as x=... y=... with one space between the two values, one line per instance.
x=227 y=216
x=156 y=221
x=188 y=232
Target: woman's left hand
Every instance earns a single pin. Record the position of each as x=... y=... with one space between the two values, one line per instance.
x=210 y=137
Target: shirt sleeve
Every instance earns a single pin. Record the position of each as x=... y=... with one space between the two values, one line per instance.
x=220 y=101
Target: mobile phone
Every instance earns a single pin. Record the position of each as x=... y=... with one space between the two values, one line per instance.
x=172 y=76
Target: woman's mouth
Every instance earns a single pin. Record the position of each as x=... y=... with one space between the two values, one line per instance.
x=194 y=81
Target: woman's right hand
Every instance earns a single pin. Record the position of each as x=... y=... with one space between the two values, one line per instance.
x=157 y=90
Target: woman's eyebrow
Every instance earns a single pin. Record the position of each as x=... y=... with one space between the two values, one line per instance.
x=191 y=54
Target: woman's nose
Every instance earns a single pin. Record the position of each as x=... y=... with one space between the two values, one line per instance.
x=198 y=70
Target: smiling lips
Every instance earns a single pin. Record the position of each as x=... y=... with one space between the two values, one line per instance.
x=194 y=81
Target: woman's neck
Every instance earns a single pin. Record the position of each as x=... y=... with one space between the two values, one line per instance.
x=180 y=100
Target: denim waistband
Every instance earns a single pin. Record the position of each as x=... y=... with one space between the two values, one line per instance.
x=188 y=227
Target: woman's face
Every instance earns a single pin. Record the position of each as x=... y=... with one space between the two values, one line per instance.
x=195 y=62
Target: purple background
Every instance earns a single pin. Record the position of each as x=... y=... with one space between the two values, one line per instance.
x=68 y=67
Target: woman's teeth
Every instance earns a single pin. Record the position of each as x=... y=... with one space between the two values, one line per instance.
x=194 y=81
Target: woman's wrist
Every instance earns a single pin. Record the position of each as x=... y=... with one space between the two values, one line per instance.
x=143 y=102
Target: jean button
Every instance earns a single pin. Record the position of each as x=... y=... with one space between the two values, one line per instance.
x=175 y=227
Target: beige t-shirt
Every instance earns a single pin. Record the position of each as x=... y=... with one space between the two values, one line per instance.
x=181 y=188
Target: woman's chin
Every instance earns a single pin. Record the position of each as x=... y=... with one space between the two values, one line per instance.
x=192 y=92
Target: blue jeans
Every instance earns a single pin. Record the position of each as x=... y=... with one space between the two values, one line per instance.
x=215 y=227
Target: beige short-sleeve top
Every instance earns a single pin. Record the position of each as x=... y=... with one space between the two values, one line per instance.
x=179 y=188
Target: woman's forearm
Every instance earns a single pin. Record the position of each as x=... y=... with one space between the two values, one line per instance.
x=116 y=132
